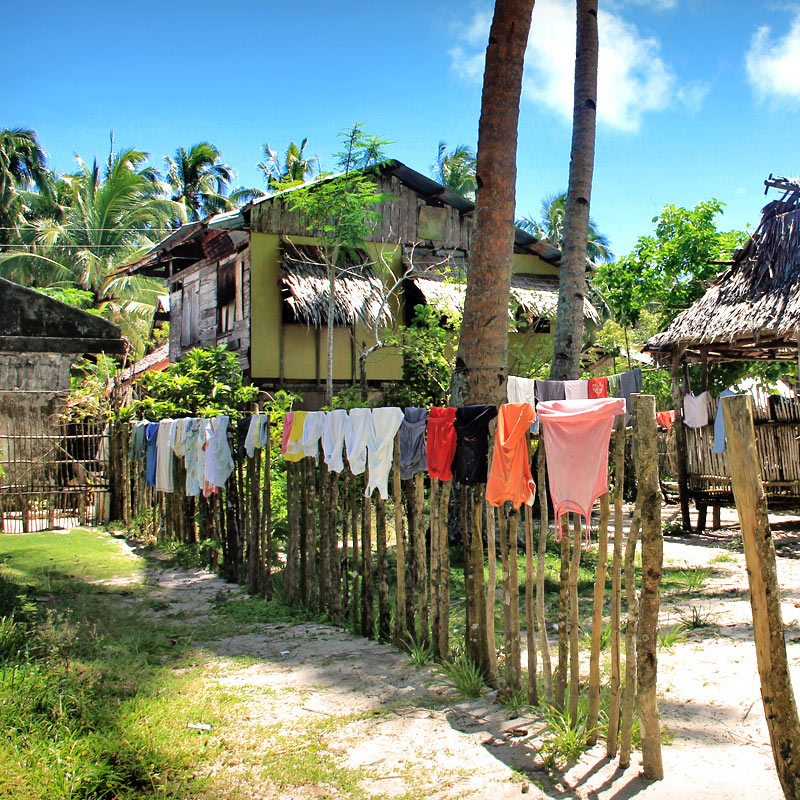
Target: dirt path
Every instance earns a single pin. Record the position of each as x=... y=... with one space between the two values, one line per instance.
x=411 y=736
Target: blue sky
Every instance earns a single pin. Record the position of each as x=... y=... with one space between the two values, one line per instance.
x=697 y=98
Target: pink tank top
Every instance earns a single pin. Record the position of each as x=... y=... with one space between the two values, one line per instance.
x=576 y=435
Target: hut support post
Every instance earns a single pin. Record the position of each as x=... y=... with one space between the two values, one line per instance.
x=680 y=441
x=649 y=502
x=780 y=708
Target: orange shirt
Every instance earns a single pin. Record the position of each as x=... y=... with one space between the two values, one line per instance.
x=510 y=477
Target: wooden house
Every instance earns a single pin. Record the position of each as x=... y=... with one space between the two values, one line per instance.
x=255 y=279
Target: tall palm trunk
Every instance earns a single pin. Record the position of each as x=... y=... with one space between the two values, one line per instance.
x=481 y=363
x=569 y=323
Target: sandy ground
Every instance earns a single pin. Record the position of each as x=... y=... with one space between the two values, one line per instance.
x=418 y=739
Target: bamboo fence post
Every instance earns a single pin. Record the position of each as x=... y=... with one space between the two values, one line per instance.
x=266 y=527
x=444 y=569
x=491 y=588
x=254 y=541
x=574 y=620
x=478 y=633
x=355 y=594
x=680 y=440
x=307 y=574
x=292 y=544
x=411 y=560
x=502 y=523
x=315 y=596
x=384 y=606
x=544 y=645
x=563 y=615
x=780 y=708
x=597 y=619
x=367 y=594
x=469 y=589
x=629 y=698
x=400 y=551
x=530 y=620
x=649 y=502
x=334 y=559
x=513 y=580
x=420 y=556
x=323 y=554
x=619 y=484
x=345 y=560
x=435 y=571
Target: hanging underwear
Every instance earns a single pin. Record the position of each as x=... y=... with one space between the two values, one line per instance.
x=576 y=435
x=333 y=429
x=355 y=438
x=510 y=477
x=441 y=444
x=470 y=463
x=380 y=446
x=412 y=443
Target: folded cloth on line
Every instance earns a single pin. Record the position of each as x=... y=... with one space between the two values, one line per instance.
x=470 y=463
x=550 y=390
x=576 y=390
x=510 y=476
x=334 y=427
x=380 y=449
x=521 y=390
x=413 y=458
x=355 y=438
x=294 y=446
x=312 y=432
x=441 y=442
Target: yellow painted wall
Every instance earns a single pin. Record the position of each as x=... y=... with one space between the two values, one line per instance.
x=532 y=265
x=299 y=340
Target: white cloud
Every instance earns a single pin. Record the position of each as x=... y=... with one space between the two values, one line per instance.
x=653 y=5
x=633 y=79
x=773 y=66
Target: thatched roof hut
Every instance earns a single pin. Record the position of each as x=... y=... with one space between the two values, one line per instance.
x=752 y=311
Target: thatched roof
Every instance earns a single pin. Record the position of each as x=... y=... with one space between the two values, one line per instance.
x=752 y=311
x=537 y=295
x=358 y=294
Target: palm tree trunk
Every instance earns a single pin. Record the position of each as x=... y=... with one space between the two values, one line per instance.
x=569 y=323
x=481 y=361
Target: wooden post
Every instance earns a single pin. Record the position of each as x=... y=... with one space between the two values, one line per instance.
x=616 y=588
x=563 y=615
x=334 y=557
x=435 y=570
x=384 y=606
x=421 y=561
x=530 y=620
x=477 y=633
x=367 y=594
x=513 y=579
x=780 y=708
x=308 y=577
x=323 y=522
x=400 y=550
x=345 y=560
x=491 y=588
x=266 y=527
x=597 y=619
x=444 y=568
x=504 y=560
x=544 y=645
x=680 y=441
x=629 y=701
x=253 y=539
x=355 y=594
x=574 y=620
x=649 y=502
x=293 y=542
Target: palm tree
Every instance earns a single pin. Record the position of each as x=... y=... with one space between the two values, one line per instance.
x=199 y=181
x=456 y=169
x=550 y=228
x=572 y=285
x=294 y=168
x=22 y=167
x=111 y=216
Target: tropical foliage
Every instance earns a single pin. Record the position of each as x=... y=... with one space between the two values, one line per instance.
x=456 y=169
x=294 y=168
x=199 y=180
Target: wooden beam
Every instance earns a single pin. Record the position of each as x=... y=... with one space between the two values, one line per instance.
x=55 y=344
x=780 y=708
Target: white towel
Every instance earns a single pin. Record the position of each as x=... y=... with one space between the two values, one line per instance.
x=380 y=444
x=334 y=427
x=576 y=390
x=359 y=421
x=520 y=390
x=253 y=438
x=164 y=439
x=311 y=434
x=695 y=409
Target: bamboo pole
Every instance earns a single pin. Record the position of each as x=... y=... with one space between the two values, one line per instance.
x=421 y=561
x=334 y=558
x=780 y=708
x=629 y=699
x=266 y=528
x=649 y=502
x=355 y=594
x=513 y=580
x=619 y=484
x=367 y=594
x=563 y=615
x=400 y=551
x=530 y=619
x=345 y=560
x=544 y=645
x=680 y=441
x=293 y=541
x=322 y=520
x=469 y=589
x=384 y=606
x=574 y=620
x=435 y=570
x=411 y=559
x=491 y=588
x=253 y=539
x=597 y=619
x=444 y=568
x=308 y=576
x=502 y=524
